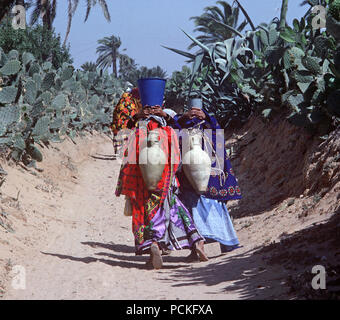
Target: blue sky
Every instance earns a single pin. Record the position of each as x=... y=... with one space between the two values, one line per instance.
x=145 y=25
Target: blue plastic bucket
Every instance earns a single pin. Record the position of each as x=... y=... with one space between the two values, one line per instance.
x=151 y=91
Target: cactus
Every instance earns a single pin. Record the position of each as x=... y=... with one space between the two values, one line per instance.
x=58 y=83
x=80 y=95
x=13 y=55
x=35 y=153
x=8 y=94
x=27 y=58
x=19 y=143
x=37 y=109
x=21 y=126
x=94 y=101
x=48 y=81
x=67 y=73
x=41 y=129
x=273 y=36
x=34 y=68
x=49 y=103
x=11 y=67
x=8 y=115
x=303 y=76
x=60 y=102
x=272 y=63
x=6 y=141
x=321 y=44
x=46 y=97
x=31 y=92
x=3 y=58
x=312 y=64
x=37 y=79
x=71 y=85
x=46 y=66
x=3 y=130
x=57 y=123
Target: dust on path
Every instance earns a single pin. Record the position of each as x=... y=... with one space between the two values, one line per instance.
x=87 y=252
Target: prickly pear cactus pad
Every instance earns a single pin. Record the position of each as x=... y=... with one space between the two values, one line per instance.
x=11 y=67
x=8 y=94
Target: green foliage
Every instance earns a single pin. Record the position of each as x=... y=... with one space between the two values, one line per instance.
x=129 y=71
x=39 y=103
x=255 y=71
x=8 y=95
x=334 y=9
x=89 y=66
x=176 y=90
x=11 y=67
x=39 y=42
x=218 y=23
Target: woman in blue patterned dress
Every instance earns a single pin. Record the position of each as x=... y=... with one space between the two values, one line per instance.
x=209 y=210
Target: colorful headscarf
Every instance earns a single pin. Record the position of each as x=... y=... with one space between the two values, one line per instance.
x=128 y=105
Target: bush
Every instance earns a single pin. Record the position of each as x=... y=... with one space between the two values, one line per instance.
x=274 y=68
x=44 y=44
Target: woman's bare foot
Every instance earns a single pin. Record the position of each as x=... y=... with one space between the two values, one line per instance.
x=192 y=257
x=199 y=247
x=156 y=256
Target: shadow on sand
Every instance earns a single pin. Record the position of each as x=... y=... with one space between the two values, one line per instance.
x=125 y=260
x=259 y=273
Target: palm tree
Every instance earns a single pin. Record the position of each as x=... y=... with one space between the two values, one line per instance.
x=155 y=72
x=47 y=10
x=108 y=53
x=73 y=5
x=211 y=23
x=158 y=72
x=89 y=66
x=128 y=69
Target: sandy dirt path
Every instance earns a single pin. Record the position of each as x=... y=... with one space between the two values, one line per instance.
x=89 y=254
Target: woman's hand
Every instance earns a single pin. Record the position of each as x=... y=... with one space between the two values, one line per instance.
x=143 y=113
x=195 y=113
x=148 y=111
x=158 y=111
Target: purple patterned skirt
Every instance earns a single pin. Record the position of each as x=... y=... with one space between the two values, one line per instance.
x=172 y=227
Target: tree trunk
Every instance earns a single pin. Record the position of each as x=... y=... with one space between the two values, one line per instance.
x=46 y=6
x=284 y=10
x=114 y=63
